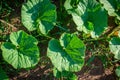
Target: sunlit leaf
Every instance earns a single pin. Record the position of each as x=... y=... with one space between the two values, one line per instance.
x=112 y=6
x=89 y=16
x=22 y=52
x=114 y=45
x=67 y=54
x=39 y=14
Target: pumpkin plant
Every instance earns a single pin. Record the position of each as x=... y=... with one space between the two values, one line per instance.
x=22 y=52
x=67 y=54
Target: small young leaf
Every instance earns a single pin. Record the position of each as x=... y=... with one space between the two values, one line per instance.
x=117 y=71
x=65 y=74
x=22 y=52
x=3 y=75
x=114 y=45
x=89 y=16
x=39 y=14
x=67 y=54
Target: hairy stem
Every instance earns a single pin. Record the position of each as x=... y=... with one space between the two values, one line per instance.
x=4 y=22
x=114 y=30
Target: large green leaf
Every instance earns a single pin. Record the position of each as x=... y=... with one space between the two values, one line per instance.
x=112 y=7
x=89 y=16
x=22 y=52
x=39 y=14
x=67 y=54
x=114 y=45
x=3 y=75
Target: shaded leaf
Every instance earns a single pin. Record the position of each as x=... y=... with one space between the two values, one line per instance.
x=3 y=75
x=117 y=71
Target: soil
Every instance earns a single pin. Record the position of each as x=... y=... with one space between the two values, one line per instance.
x=96 y=71
x=43 y=71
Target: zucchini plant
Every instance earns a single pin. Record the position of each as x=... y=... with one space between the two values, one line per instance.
x=67 y=54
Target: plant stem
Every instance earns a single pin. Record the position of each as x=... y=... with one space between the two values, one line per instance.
x=90 y=40
x=114 y=30
x=4 y=22
x=104 y=38
x=61 y=5
x=48 y=37
x=62 y=28
x=42 y=41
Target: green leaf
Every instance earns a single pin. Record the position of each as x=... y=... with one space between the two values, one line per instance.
x=89 y=16
x=112 y=7
x=119 y=33
x=114 y=45
x=74 y=3
x=22 y=52
x=39 y=14
x=117 y=71
x=56 y=73
x=3 y=75
x=73 y=45
x=65 y=74
x=72 y=77
x=67 y=54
